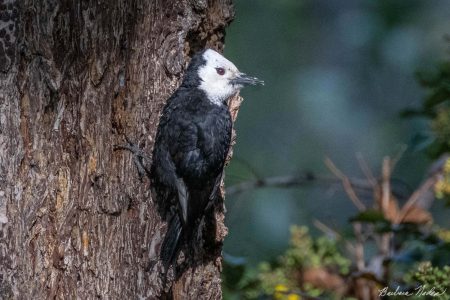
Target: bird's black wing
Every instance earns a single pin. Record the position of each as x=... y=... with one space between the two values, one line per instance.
x=187 y=159
x=196 y=141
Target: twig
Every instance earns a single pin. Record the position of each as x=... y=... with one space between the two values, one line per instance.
x=376 y=191
x=327 y=230
x=429 y=183
x=346 y=183
x=385 y=201
x=247 y=165
x=359 y=246
x=385 y=185
x=278 y=181
x=398 y=156
x=330 y=232
x=332 y=167
x=291 y=181
x=366 y=170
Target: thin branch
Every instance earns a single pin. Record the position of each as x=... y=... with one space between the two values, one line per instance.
x=247 y=165
x=398 y=156
x=292 y=181
x=277 y=181
x=327 y=230
x=385 y=201
x=352 y=195
x=428 y=184
x=359 y=246
x=385 y=185
x=346 y=183
x=330 y=232
x=332 y=167
x=366 y=169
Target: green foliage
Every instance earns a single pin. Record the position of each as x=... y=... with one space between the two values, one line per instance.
x=282 y=279
x=441 y=126
x=429 y=279
x=444 y=234
x=304 y=253
x=435 y=108
x=418 y=254
x=370 y=216
x=420 y=265
x=442 y=187
x=432 y=276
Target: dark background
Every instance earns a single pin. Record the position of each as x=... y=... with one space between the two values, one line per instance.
x=337 y=73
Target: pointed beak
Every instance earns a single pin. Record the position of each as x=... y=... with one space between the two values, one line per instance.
x=244 y=79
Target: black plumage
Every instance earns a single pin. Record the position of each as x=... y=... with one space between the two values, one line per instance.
x=192 y=142
x=191 y=146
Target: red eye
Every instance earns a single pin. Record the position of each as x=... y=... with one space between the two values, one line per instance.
x=220 y=71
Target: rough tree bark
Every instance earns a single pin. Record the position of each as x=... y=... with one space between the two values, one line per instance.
x=75 y=221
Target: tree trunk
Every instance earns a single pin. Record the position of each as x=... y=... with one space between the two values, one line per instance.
x=76 y=76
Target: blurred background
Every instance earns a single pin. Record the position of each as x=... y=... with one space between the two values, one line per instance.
x=338 y=74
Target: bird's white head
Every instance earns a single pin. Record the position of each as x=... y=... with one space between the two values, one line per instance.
x=220 y=79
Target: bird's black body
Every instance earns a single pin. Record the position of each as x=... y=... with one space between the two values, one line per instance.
x=191 y=146
x=192 y=142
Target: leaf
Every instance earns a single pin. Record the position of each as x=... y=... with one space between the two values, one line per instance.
x=439 y=96
x=428 y=78
x=411 y=113
x=447 y=202
x=234 y=269
x=421 y=141
x=383 y=227
x=436 y=149
x=417 y=215
x=409 y=256
x=369 y=216
x=324 y=279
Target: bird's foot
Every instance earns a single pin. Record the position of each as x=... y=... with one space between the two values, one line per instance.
x=140 y=158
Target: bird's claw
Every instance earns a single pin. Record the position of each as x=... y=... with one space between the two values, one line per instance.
x=139 y=157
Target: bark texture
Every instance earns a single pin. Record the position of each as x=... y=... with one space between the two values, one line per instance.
x=75 y=221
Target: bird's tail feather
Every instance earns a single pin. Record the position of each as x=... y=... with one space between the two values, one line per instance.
x=171 y=244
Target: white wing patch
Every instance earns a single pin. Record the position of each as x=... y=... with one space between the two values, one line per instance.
x=183 y=198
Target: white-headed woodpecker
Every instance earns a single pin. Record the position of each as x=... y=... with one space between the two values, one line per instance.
x=192 y=143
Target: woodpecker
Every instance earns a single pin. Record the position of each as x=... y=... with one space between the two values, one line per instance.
x=191 y=145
